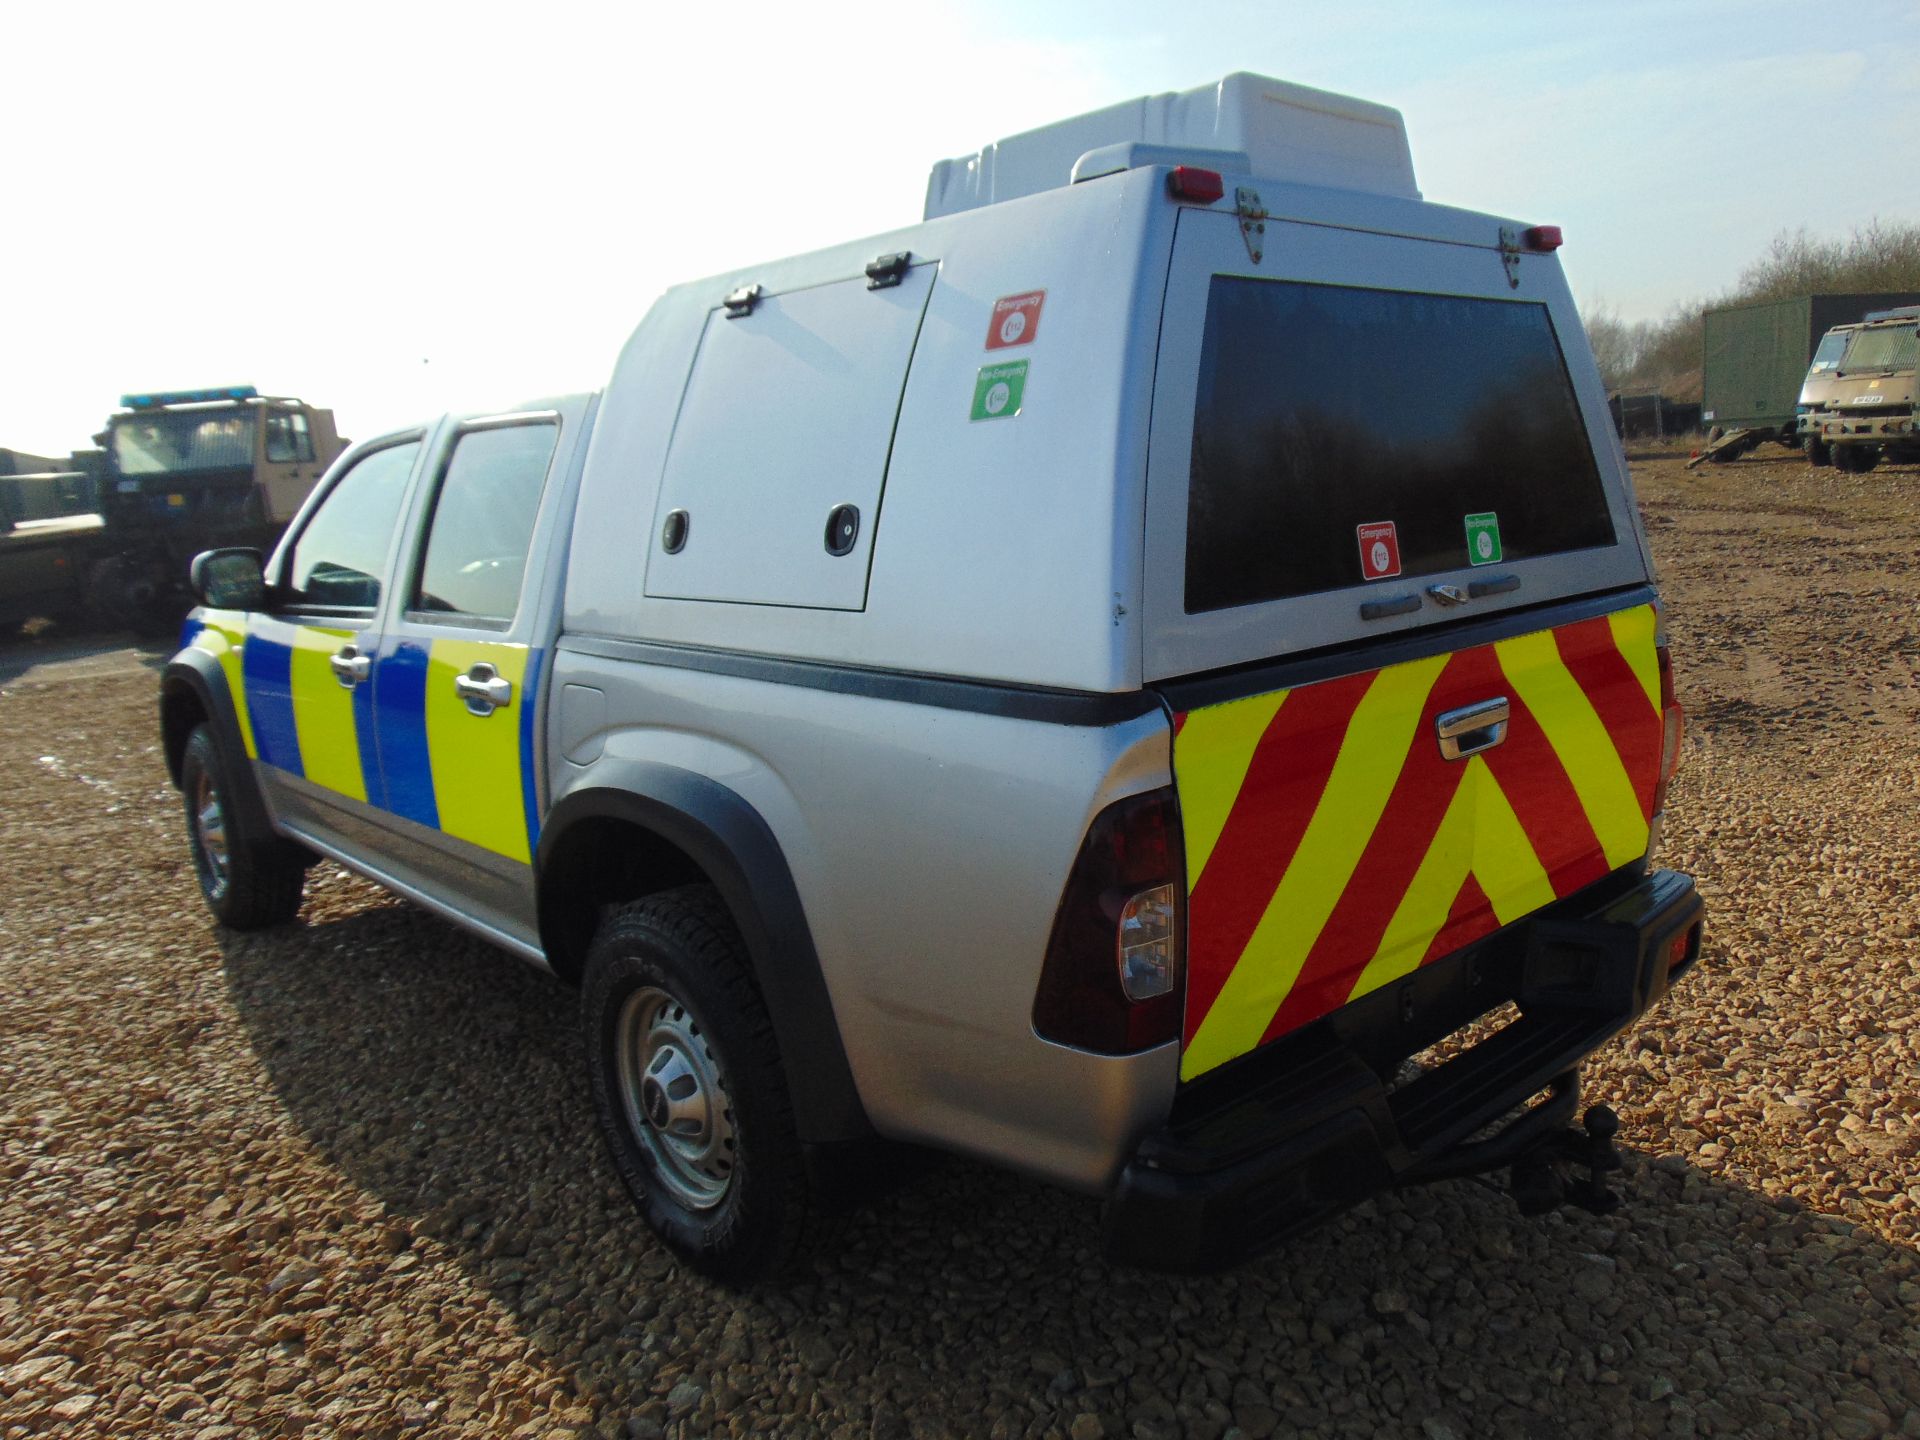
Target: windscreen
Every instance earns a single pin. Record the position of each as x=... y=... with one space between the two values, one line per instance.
x=1887 y=347
x=1331 y=417
x=1832 y=346
x=180 y=442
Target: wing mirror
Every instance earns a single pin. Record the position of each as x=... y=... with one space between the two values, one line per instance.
x=230 y=579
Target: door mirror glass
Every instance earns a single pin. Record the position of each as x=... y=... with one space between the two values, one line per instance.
x=232 y=579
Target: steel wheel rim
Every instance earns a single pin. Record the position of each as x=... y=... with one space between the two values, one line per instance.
x=675 y=1097
x=210 y=836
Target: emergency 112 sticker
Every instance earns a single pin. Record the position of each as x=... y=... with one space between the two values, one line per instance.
x=1379 y=550
x=1483 y=539
x=1015 y=319
x=998 y=390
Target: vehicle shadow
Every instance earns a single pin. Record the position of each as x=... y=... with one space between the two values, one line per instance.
x=60 y=653
x=446 y=1079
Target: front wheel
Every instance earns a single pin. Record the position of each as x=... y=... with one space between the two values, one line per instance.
x=248 y=885
x=1818 y=451
x=689 y=1088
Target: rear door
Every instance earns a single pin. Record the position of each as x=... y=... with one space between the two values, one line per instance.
x=457 y=686
x=1398 y=604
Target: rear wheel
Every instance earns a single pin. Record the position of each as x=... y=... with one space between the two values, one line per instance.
x=248 y=885
x=688 y=1084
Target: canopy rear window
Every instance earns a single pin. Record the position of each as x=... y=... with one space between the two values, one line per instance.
x=1322 y=409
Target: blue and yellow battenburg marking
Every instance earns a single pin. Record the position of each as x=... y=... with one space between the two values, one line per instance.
x=404 y=742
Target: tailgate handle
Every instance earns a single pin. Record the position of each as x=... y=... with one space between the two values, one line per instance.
x=1472 y=728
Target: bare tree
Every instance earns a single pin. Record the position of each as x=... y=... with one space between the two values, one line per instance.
x=1664 y=355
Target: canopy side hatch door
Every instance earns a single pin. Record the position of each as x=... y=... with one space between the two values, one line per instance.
x=774 y=476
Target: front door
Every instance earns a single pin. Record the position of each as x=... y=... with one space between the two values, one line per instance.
x=307 y=662
x=289 y=466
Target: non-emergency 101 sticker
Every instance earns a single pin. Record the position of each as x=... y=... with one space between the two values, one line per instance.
x=1483 y=539
x=998 y=390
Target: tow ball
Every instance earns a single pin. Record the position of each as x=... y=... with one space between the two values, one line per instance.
x=1545 y=1177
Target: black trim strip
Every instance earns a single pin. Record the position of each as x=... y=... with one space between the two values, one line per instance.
x=1219 y=686
x=980 y=697
x=1383 y=609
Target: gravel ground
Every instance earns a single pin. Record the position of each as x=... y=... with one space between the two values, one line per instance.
x=342 y=1179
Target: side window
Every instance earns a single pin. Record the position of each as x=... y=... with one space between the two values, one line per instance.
x=482 y=522
x=288 y=438
x=340 y=555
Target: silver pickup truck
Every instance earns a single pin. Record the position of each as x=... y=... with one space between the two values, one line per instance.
x=1107 y=680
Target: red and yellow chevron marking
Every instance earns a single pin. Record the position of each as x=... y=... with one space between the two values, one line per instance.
x=1331 y=849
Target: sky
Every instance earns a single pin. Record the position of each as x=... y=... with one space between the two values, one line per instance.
x=398 y=209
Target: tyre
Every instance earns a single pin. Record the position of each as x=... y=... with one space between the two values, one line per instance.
x=1818 y=451
x=1855 y=459
x=247 y=885
x=689 y=1088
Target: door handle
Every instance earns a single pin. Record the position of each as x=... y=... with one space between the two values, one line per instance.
x=1472 y=728
x=483 y=689
x=350 y=667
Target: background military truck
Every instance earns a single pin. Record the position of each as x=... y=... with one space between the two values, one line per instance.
x=1868 y=411
x=1817 y=390
x=110 y=538
x=1754 y=362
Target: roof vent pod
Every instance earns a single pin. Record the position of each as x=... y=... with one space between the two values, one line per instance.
x=1132 y=154
x=1285 y=132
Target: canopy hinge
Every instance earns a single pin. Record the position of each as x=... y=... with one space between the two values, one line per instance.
x=1253 y=220
x=887 y=270
x=1510 y=255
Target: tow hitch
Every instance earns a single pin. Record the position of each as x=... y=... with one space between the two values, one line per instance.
x=1541 y=1180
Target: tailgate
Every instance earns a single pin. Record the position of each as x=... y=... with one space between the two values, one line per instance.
x=1334 y=846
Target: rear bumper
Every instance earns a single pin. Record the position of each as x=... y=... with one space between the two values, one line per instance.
x=1312 y=1125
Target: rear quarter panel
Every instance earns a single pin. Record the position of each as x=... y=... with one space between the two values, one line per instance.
x=929 y=847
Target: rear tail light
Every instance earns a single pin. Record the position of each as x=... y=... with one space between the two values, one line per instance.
x=1112 y=978
x=1672 y=722
x=1149 y=941
x=1542 y=237
x=1185 y=182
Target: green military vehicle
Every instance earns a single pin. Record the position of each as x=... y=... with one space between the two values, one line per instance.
x=177 y=472
x=1755 y=361
x=1866 y=413
x=1817 y=391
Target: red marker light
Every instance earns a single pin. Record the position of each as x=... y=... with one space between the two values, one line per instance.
x=1203 y=187
x=1543 y=237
